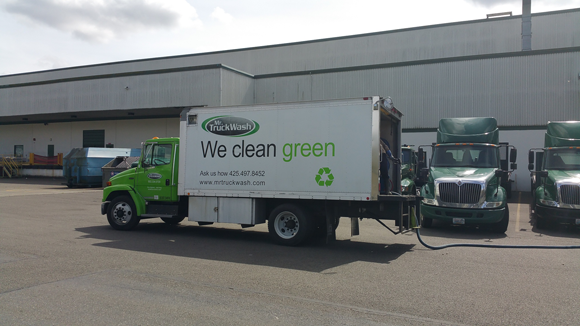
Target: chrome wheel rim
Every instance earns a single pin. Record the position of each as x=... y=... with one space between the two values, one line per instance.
x=286 y=225
x=122 y=213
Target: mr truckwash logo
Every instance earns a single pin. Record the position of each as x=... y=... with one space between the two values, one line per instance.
x=227 y=125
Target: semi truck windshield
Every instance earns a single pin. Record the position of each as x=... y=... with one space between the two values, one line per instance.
x=465 y=156
x=562 y=159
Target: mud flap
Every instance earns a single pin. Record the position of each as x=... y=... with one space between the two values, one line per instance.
x=354 y=230
x=330 y=227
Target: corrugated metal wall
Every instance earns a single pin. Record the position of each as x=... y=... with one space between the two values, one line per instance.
x=518 y=91
x=237 y=89
x=549 y=30
x=187 y=88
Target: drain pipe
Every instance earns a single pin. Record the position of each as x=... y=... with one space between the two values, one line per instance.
x=526 y=25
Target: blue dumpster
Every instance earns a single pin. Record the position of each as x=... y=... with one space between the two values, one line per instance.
x=82 y=166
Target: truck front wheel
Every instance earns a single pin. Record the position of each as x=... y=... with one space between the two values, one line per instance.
x=122 y=214
x=426 y=222
x=502 y=225
x=289 y=225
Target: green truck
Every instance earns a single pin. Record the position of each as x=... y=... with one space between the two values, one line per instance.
x=556 y=177
x=463 y=183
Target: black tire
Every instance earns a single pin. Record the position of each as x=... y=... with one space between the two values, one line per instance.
x=122 y=214
x=541 y=223
x=502 y=225
x=426 y=222
x=172 y=220
x=290 y=225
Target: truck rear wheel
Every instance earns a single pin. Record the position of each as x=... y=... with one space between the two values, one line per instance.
x=122 y=214
x=502 y=225
x=289 y=225
x=172 y=220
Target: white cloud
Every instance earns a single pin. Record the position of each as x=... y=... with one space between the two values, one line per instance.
x=104 y=20
x=222 y=16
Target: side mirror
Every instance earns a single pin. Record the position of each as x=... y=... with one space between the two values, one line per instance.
x=421 y=155
x=531 y=166
x=514 y=166
x=531 y=158
x=135 y=164
x=513 y=155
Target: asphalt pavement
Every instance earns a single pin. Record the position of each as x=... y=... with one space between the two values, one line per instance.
x=62 y=264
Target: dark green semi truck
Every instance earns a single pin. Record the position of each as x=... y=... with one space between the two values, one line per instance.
x=555 y=177
x=466 y=180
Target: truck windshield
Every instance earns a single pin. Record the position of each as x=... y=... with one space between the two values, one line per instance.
x=465 y=156
x=562 y=159
x=406 y=159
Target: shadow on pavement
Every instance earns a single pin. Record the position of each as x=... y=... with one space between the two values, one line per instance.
x=245 y=246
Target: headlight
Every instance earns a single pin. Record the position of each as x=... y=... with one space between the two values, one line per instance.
x=549 y=202
x=430 y=201
x=492 y=204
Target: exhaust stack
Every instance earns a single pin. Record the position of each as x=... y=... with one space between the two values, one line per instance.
x=526 y=25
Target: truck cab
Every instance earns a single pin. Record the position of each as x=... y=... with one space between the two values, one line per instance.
x=555 y=178
x=147 y=190
x=463 y=183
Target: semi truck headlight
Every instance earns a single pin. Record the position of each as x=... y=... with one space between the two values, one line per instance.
x=430 y=201
x=549 y=202
x=492 y=204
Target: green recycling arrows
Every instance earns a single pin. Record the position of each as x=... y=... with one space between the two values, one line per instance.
x=329 y=177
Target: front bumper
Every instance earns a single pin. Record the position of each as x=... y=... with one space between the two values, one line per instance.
x=558 y=214
x=470 y=215
x=104 y=207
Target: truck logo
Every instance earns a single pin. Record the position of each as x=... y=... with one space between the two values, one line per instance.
x=320 y=180
x=154 y=176
x=227 y=125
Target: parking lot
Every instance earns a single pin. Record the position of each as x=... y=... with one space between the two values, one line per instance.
x=62 y=264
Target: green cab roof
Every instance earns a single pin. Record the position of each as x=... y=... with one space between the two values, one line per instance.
x=468 y=130
x=562 y=134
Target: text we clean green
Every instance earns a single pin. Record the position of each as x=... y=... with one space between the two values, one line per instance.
x=305 y=149
x=250 y=150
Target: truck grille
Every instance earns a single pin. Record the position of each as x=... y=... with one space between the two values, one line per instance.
x=467 y=193
x=570 y=194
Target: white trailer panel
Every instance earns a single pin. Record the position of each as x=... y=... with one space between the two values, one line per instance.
x=317 y=150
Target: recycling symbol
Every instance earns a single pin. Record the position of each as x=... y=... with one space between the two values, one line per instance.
x=319 y=177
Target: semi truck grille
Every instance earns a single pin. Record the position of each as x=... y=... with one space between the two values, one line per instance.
x=570 y=194
x=467 y=193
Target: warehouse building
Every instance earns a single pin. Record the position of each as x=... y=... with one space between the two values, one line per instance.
x=522 y=70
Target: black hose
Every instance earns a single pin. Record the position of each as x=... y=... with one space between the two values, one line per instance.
x=476 y=245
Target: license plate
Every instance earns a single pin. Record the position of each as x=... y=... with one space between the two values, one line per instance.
x=578 y=221
x=462 y=221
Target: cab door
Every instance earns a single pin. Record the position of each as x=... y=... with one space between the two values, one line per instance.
x=154 y=180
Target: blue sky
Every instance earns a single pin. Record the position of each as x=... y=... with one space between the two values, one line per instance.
x=49 y=34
